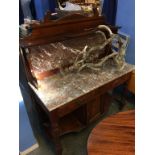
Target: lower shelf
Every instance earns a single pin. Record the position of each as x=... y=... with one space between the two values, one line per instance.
x=78 y=119
x=67 y=124
x=70 y=123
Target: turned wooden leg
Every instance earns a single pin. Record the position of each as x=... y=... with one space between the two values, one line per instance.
x=55 y=132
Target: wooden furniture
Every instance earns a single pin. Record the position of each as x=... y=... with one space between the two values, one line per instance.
x=114 y=136
x=131 y=83
x=68 y=103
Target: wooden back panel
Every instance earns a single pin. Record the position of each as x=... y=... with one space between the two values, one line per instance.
x=56 y=30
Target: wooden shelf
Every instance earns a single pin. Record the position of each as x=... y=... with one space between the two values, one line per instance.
x=70 y=123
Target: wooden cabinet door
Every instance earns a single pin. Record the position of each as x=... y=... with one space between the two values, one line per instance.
x=93 y=109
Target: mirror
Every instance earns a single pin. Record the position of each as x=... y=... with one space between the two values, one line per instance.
x=86 y=7
x=38 y=9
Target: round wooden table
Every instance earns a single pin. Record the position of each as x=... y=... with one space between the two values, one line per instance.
x=115 y=135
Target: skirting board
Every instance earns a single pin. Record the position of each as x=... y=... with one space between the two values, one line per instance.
x=27 y=140
x=30 y=149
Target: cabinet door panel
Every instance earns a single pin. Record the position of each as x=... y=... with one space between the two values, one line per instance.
x=93 y=109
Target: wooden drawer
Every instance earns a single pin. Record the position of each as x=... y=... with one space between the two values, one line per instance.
x=121 y=80
x=68 y=108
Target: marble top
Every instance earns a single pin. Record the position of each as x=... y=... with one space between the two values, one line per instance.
x=54 y=55
x=58 y=90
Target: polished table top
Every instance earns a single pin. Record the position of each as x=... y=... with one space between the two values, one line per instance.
x=114 y=135
x=58 y=90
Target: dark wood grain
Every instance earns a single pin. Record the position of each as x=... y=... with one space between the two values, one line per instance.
x=81 y=111
x=114 y=135
x=56 y=30
x=53 y=31
x=55 y=131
